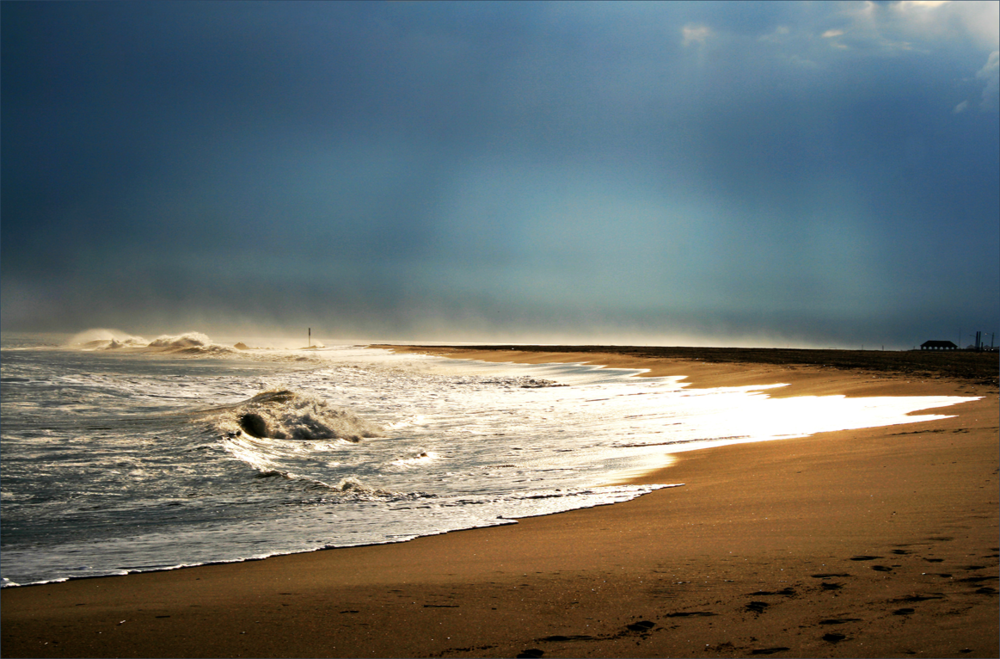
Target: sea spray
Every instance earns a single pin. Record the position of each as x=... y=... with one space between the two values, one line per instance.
x=284 y=414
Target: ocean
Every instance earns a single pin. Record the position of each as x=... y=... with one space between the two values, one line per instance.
x=119 y=454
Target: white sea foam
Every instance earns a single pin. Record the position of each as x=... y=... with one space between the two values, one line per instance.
x=192 y=343
x=102 y=339
x=283 y=414
x=128 y=459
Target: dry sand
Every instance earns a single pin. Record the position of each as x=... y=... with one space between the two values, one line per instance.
x=870 y=543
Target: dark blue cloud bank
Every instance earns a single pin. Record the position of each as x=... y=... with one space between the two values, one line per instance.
x=769 y=174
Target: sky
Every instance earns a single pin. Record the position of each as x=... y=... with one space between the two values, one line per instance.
x=786 y=174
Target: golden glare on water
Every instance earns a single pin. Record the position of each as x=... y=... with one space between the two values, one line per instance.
x=737 y=415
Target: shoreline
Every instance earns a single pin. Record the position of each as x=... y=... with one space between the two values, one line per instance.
x=831 y=545
x=716 y=367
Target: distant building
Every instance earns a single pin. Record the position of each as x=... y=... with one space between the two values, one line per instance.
x=938 y=345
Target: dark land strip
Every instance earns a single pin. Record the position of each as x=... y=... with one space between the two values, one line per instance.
x=979 y=367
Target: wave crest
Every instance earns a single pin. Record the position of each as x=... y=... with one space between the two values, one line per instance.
x=181 y=341
x=284 y=414
x=103 y=339
x=190 y=343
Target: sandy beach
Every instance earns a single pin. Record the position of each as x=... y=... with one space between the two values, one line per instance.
x=871 y=543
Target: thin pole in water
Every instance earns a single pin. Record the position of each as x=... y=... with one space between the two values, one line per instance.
x=310 y=337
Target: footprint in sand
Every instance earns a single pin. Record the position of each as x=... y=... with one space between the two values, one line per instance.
x=558 y=638
x=830 y=575
x=533 y=653
x=787 y=592
x=691 y=614
x=641 y=626
x=919 y=598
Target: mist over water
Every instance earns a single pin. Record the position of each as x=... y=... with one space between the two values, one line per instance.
x=122 y=453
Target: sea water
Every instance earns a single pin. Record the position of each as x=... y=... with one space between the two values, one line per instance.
x=122 y=455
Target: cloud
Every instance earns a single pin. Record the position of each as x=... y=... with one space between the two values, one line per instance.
x=896 y=27
x=975 y=22
x=991 y=74
x=379 y=163
x=695 y=33
x=981 y=21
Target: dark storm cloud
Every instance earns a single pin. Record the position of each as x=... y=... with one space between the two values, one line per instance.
x=827 y=172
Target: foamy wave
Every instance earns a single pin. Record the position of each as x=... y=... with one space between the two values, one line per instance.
x=421 y=458
x=191 y=343
x=283 y=414
x=510 y=381
x=181 y=341
x=351 y=487
x=355 y=487
x=129 y=342
x=104 y=339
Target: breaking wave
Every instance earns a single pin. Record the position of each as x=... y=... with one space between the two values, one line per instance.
x=284 y=414
x=103 y=339
x=180 y=342
x=283 y=435
x=190 y=343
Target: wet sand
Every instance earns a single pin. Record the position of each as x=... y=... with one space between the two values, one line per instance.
x=880 y=542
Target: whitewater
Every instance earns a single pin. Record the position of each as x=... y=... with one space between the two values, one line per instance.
x=120 y=454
